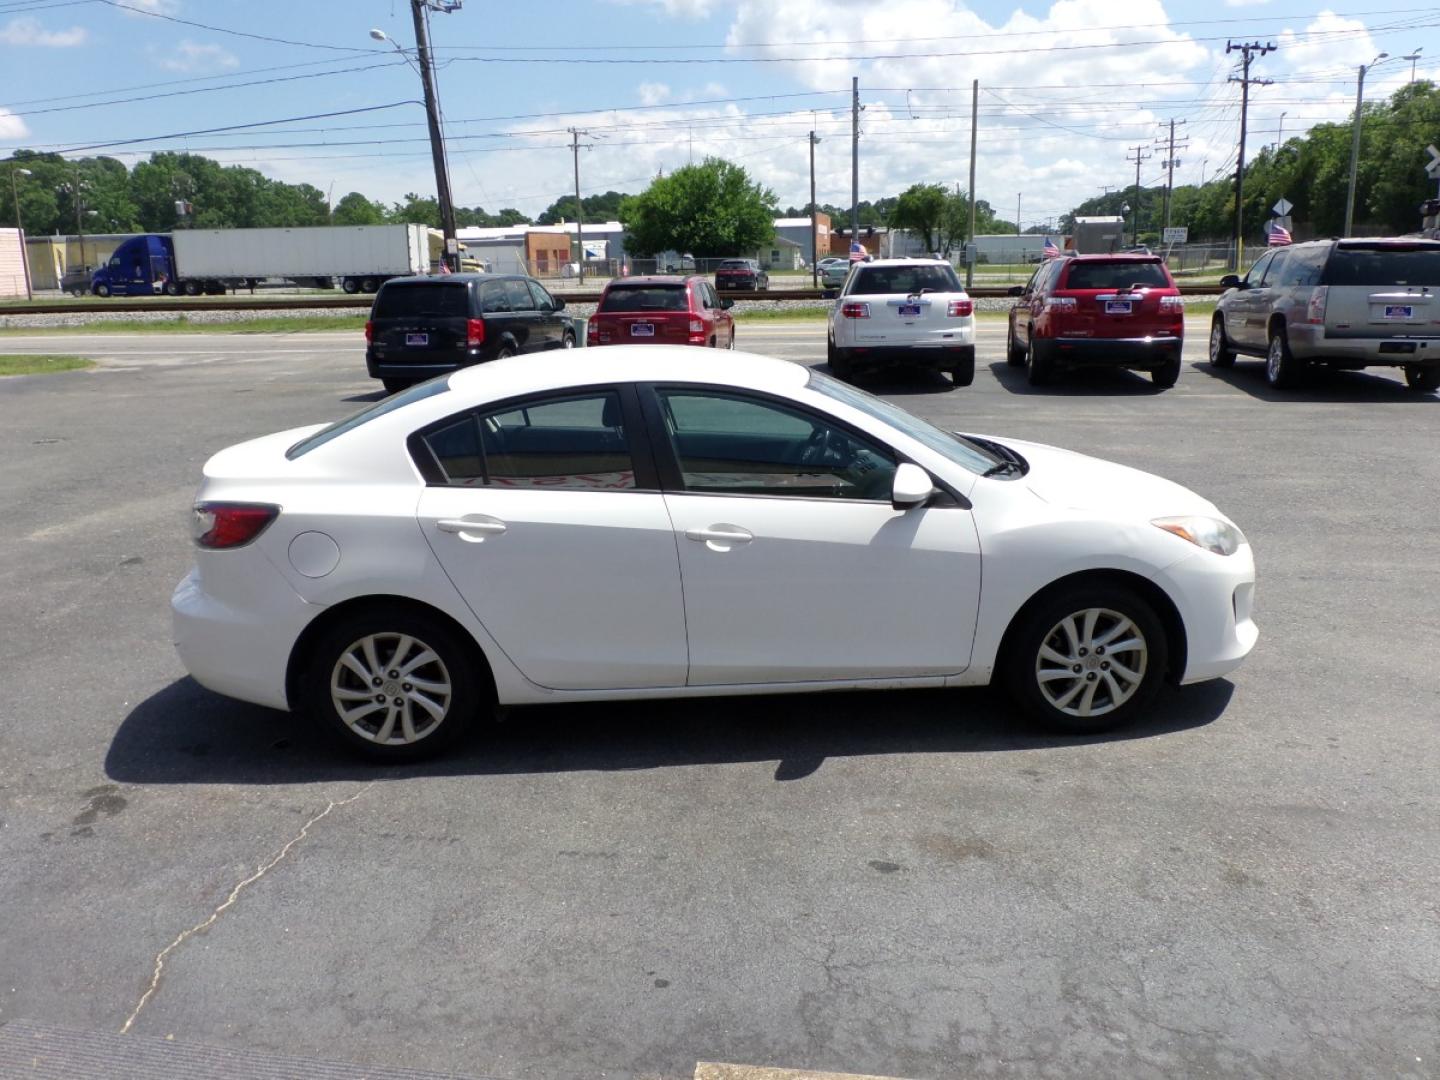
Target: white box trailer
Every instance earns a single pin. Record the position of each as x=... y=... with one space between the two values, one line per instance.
x=359 y=257
x=1098 y=235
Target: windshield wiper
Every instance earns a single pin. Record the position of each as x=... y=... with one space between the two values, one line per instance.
x=1003 y=468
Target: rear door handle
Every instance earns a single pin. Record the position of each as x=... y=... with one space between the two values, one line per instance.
x=481 y=526
x=721 y=534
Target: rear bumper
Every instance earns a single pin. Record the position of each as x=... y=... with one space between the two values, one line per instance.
x=749 y=284
x=1309 y=342
x=397 y=364
x=941 y=358
x=1118 y=352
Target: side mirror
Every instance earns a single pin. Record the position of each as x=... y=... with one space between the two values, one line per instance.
x=727 y=302
x=559 y=303
x=1230 y=281
x=912 y=487
x=1017 y=290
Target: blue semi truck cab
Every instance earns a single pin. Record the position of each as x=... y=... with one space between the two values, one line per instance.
x=141 y=266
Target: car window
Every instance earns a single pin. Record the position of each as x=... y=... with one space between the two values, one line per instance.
x=707 y=295
x=518 y=293
x=734 y=264
x=422 y=299
x=624 y=298
x=1116 y=274
x=742 y=446
x=542 y=300
x=1274 y=271
x=1303 y=266
x=1034 y=278
x=381 y=408
x=1383 y=264
x=905 y=280
x=493 y=298
x=575 y=442
x=1257 y=272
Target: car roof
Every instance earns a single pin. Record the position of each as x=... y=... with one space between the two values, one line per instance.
x=1117 y=256
x=559 y=368
x=916 y=261
x=441 y=279
x=652 y=279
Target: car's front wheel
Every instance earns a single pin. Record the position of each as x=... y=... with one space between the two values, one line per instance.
x=568 y=341
x=1221 y=354
x=1014 y=351
x=392 y=684
x=1087 y=659
x=1422 y=378
x=1282 y=369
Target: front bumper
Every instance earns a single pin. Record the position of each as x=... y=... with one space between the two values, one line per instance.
x=1308 y=342
x=1115 y=352
x=1215 y=595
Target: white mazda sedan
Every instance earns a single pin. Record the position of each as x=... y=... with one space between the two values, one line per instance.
x=650 y=522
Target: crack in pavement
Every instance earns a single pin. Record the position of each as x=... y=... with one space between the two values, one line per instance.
x=260 y=872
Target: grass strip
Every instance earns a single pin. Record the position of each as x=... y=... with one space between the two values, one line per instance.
x=35 y=364
x=182 y=325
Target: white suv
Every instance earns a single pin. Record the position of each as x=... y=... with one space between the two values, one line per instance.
x=903 y=311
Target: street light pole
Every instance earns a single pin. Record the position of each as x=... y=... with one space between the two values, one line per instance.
x=1412 y=58
x=15 y=174
x=1280 y=132
x=1355 y=141
x=814 y=220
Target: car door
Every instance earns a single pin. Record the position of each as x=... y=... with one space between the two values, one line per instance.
x=1020 y=309
x=794 y=564
x=722 y=323
x=529 y=328
x=545 y=514
x=1244 y=318
x=549 y=321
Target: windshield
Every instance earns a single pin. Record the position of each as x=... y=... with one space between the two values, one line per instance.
x=1384 y=264
x=422 y=298
x=1116 y=275
x=966 y=455
x=364 y=416
x=734 y=264
x=645 y=298
x=904 y=280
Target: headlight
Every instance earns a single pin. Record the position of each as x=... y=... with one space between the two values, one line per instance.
x=1212 y=534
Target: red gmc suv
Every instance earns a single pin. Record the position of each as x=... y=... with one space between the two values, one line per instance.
x=661 y=310
x=1119 y=310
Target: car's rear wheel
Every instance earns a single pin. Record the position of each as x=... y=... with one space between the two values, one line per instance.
x=1014 y=354
x=192 y=288
x=732 y=338
x=172 y=288
x=1167 y=374
x=506 y=350
x=839 y=362
x=1088 y=658
x=350 y=285
x=568 y=341
x=1282 y=369
x=392 y=684
x=963 y=373
x=1040 y=366
x=394 y=386
x=1422 y=378
x=1221 y=354
x=369 y=284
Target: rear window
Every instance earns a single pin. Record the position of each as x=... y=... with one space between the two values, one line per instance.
x=1389 y=264
x=645 y=298
x=734 y=264
x=423 y=299
x=419 y=392
x=878 y=280
x=1116 y=275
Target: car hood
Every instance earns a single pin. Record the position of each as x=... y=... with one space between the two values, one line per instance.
x=1078 y=482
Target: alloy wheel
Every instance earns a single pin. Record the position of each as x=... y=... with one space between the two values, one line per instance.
x=1091 y=662
x=391 y=689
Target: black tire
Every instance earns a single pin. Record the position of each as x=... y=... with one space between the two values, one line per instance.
x=1167 y=374
x=192 y=288
x=732 y=337
x=963 y=373
x=369 y=284
x=1039 y=364
x=392 y=629
x=1282 y=370
x=172 y=288
x=102 y=289
x=567 y=340
x=1041 y=627
x=350 y=285
x=77 y=292
x=1221 y=354
x=839 y=363
x=506 y=350
x=1422 y=378
x=1014 y=354
x=394 y=386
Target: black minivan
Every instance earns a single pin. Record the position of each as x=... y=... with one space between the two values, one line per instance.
x=425 y=326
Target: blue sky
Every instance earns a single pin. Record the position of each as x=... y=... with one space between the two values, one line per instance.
x=1068 y=89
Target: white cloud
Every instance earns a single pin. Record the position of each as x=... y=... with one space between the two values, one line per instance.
x=12 y=126
x=683 y=9
x=192 y=56
x=136 y=8
x=28 y=31
x=653 y=93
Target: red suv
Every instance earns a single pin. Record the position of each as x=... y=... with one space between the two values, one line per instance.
x=662 y=310
x=1098 y=311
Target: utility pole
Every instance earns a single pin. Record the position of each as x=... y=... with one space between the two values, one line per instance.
x=974 y=125
x=579 y=209
x=1247 y=50
x=1355 y=139
x=1141 y=155
x=1171 y=164
x=855 y=159
x=1018 y=196
x=814 y=226
x=421 y=9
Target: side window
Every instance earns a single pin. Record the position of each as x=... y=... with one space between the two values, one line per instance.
x=457 y=448
x=518 y=293
x=1034 y=281
x=740 y=446
x=493 y=298
x=575 y=442
x=1302 y=267
x=1257 y=272
x=707 y=297
x=1275 y=272
x=541 y=299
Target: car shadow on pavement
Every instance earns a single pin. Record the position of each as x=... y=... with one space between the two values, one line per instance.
x=1082 y=382
x=1320 y=386
x=898 y=381
x=184 y=734
x=374 y=395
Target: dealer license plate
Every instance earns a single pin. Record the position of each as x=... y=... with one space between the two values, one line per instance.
x=1117 y=307
x=909 y=311
x=417 y=339
x=642 y=329
x=1399 y=311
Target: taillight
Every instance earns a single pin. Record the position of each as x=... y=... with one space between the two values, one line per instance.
x=1172 y=305
x=230 y=525
x=855 y=311
x=1061 y=303
x=959 y=309
x=369 y=331
x=474 y=332
x=1315 y=310
x=592 y=333
x=696 y=326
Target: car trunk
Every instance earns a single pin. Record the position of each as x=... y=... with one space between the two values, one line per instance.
x=1118 y=300
x=420 y=318
x=644 y=314
x=1382 y=290
x=901 y=319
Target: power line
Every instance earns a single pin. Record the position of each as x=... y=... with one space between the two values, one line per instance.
x=222 y=29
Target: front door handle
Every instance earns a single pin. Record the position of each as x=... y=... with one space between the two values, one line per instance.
x=477 y=526
x=721 y=534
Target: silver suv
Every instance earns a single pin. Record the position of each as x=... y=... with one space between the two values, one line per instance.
x=1341 y=304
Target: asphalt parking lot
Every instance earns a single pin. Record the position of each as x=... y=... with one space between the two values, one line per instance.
x=901 y=884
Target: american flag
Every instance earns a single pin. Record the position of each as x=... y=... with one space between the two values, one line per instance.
x=857 y=251
x=1050 y=250
x=1279 y=235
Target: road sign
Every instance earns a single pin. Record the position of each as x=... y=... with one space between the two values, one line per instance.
x=1176 y=235
x=1283 y=207
x=1432 y=168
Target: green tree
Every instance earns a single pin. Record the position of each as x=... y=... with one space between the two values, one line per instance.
x=921 y=209
x=416 y=210
x=356 y=209
x=597 y=208
x=708 y=210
